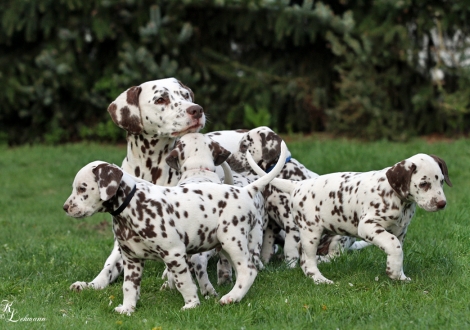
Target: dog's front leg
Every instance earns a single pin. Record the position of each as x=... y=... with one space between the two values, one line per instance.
x=255 y=240
x=224 y=270
x=267 y=249
x=111 y=270
x=310 y=238
x=373 y=232
x=133 y=269
x=199 y=262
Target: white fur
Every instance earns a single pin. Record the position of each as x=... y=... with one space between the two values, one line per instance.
x=166 y=223
x=376 y=206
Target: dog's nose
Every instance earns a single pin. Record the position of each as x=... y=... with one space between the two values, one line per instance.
x=66 y=207
x=441 y=204
x=195 y=111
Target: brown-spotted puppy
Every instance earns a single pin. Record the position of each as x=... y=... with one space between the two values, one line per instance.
x=154 y=114
x=168 y=223
x=376 y=206
x=196 y=157
x=263 y=144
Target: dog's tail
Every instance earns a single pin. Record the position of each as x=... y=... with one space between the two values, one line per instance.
x=228 y=178
x=265 y=178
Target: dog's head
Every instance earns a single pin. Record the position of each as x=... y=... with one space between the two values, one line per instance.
x=264 y=146
x=162 y=107
x=421 y=179
x=93 y=189
x=196 y=151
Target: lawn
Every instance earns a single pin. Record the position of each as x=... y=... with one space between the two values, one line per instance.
x=42 y=251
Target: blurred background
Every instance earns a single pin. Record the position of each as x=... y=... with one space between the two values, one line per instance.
x=383 y=69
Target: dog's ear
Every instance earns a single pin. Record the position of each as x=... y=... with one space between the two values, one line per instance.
x=219 y=153
x=191 y=94
x=173 y=159
x=109 y=178
x=442 y=164
x=271 y=148
x=125 y=111
x=399 y=177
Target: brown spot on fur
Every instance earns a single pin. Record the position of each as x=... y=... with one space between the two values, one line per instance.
x=443 y=166
x=399 y=178
x=191 y=94
x=133 y=94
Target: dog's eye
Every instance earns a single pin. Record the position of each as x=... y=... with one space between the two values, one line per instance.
x=423 y=185
x=161 y=100
x=81 y=189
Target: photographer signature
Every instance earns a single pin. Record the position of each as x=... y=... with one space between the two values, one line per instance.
x=8 y=314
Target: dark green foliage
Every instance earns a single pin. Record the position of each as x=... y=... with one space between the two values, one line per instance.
x=384 y=88
x=300 y=66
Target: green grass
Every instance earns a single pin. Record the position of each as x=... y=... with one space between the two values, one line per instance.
x=42 y=252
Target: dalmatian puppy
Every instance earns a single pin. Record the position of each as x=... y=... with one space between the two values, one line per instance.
x=376 y=206
x=263 y=145
x=154 y=114
x=196 y=156
x=168 y=223
x=229 y=139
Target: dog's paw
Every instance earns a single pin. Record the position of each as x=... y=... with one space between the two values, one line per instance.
x=292 y=263
x=224 y=279
x=404 y=278
x=190 y=305
x=165 y=286
x=125 y=310
x=324 y=259
x=398 y=276
x=78 y=286
x=209 y=292
x=225 y=300
x=319 y=279
x=230 y=298
x=259 y=264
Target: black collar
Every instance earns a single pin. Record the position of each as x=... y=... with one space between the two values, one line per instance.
x=125 y=203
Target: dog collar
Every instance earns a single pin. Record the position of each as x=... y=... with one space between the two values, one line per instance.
x=271 y=167
x=125 y=203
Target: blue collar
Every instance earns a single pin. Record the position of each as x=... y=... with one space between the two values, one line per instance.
x=271 y=167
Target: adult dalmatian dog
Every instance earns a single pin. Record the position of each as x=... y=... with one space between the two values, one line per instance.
x=167 y=223
x=376 y=206
x=154 y=114
x=263 y=145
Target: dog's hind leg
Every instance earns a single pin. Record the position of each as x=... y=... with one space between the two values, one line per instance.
x=245 y=271
x=177 y=265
